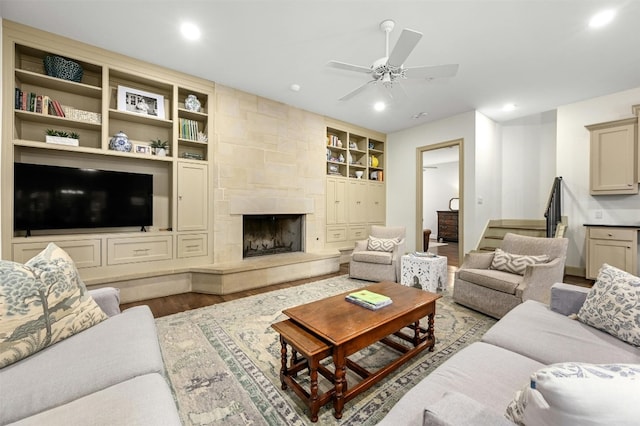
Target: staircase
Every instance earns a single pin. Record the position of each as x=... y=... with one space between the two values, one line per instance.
x=553 y=226
x=497 y=228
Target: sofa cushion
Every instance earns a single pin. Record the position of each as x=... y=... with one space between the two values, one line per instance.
x=41 y=303
x=117 y=349
x=382 y=244
x=144 y=400
x=486 y=373
x=613 y=304
x=528 y=325
x=455 y=408
x=381 y=257
x=579 y=394
x=515 y=263
x=504 y=282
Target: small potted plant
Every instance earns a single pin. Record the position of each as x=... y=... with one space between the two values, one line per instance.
x=160 y=147
x=62 y=138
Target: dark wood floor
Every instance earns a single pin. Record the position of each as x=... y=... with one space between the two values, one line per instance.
x=168 y=305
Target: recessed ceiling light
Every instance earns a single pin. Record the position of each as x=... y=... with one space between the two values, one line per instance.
x=295 y=87
x=509 y=107
x=190 y=31
x=602 y=18
x=379 y=106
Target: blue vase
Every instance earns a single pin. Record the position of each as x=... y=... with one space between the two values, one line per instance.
x=120 y=142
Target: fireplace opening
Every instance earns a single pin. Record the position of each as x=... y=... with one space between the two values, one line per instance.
x=271 y=234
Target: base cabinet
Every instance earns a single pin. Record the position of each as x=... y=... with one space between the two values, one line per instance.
x=617 y=247
x=448 y=225
x=85 y=253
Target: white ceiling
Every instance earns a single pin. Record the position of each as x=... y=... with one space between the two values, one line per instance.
x=536 y=54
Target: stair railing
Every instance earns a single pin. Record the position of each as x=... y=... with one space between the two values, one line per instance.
x=553 y=214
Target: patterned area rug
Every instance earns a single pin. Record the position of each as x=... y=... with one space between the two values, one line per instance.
x=223 y=361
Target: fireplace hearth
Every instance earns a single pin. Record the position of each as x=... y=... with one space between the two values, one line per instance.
x=271 y=234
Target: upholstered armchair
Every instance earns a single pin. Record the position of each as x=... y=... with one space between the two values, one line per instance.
x=378 y=257
x=522 y=268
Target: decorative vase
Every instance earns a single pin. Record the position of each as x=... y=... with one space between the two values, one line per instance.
x=374 y=161
x=120 y=142
x=192 y=103
x=161 y=152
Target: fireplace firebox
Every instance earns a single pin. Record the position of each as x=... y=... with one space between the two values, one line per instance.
x=266 y=234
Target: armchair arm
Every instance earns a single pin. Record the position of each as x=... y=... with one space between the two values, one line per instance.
x=361 y=245
x=108 y=298
x=539 y=278
x=567 y=299
x=477 y=260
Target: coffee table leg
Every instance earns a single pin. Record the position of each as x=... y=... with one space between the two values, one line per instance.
x=340 y=364
x=430 y=334
x=283 y=362
x=313 y=396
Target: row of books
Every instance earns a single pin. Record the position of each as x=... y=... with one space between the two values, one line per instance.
x=41 y=104
x=188 y=129
x=369 y=299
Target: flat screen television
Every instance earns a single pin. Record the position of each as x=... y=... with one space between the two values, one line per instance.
x=53 y=197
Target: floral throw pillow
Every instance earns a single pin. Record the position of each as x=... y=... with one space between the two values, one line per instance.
x=42 y=302
x=583 y=394
x=613 y=304
x=515 y=263
x=382 y=244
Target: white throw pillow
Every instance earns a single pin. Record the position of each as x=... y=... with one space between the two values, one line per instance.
x=579 y=394
x=382 y=244
x=613 y=304
x=515 y=263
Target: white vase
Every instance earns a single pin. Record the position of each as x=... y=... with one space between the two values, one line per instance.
x=161 y=152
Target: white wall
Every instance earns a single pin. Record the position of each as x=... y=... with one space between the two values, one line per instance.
x=573 y=165
x=487 y=199
x=401 y=166
x=528 y=165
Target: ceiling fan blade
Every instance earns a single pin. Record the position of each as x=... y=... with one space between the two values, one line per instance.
x=356 y=91
x=405 y=45
x=349 y=67
x=431 y=72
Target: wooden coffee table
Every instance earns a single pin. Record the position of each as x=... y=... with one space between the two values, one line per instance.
x=348 y=328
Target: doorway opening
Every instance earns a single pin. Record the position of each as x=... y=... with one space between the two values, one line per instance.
x=440 y=193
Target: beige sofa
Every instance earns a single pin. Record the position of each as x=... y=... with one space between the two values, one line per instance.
x=109 y=374
x=477 y=384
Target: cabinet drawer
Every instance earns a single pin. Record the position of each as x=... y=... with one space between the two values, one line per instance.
x=192 y=245
x=138 y=249
x=85 y=253
x=612 y=234
x=335 y=234
x=358 y=233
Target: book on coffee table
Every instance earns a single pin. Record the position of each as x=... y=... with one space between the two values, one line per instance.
x=369 y=299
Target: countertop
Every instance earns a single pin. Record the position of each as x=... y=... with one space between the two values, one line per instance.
x=607 y=225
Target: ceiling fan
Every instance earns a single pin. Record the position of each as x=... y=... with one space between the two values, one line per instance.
x=389 y=70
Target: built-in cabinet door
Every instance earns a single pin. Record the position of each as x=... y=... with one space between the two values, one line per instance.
x=617 y=247
x=192 y=197
x=336 y=201
x=358 y=201
x=613 y=162
x=376 y=202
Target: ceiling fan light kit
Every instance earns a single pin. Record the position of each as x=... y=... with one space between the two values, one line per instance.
x=389 y=70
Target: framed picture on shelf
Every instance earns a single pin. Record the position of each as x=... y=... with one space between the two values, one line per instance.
x=140 y=102
x=142 y=149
